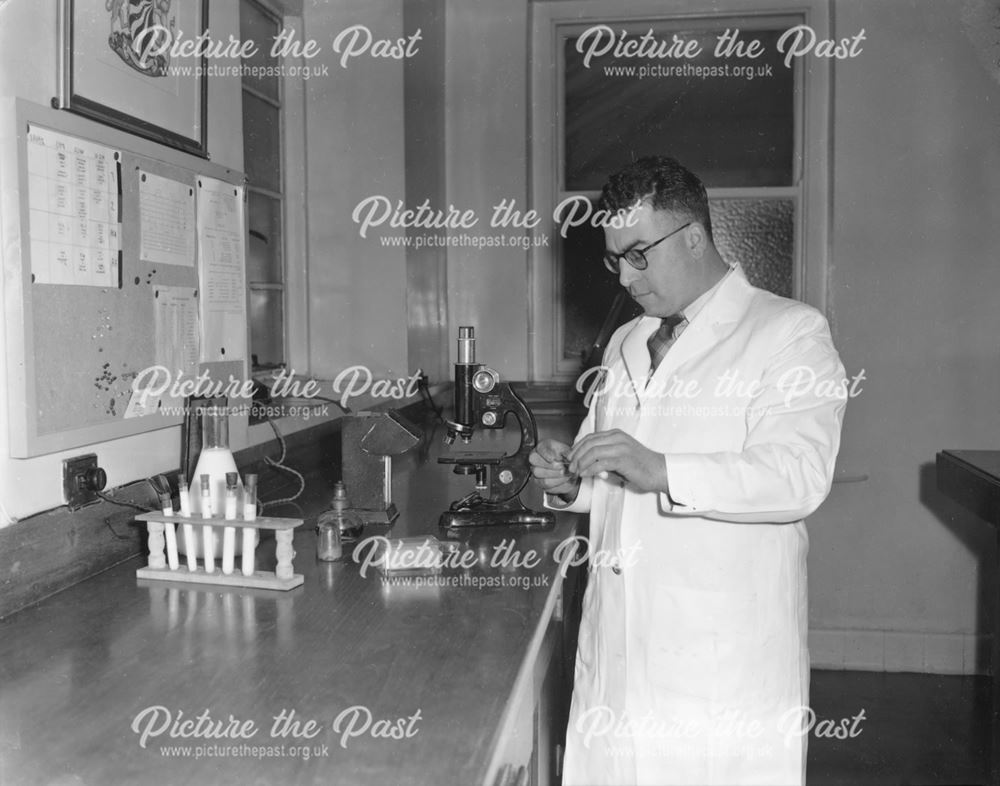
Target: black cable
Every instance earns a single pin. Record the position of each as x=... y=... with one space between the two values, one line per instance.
x=114 y=501
x=107 y=523
x=345 y=409
x=279 y=464
x=423 y=385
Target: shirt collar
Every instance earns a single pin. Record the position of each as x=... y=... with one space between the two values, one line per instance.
x=692 y=310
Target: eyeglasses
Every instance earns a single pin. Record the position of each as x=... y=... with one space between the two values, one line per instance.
x=636 y=257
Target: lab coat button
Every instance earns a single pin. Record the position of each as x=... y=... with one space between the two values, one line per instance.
x=616 y=569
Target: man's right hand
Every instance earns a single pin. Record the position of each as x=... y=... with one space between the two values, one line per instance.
x=550 y=469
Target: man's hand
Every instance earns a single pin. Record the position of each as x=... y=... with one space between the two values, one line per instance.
x=548 y=467
x=615 y=451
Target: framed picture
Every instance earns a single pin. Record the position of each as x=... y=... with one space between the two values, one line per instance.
x=135 y=65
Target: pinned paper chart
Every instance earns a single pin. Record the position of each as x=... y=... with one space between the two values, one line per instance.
x=73 y=202
x=104 y=279
x=178 y=339
x=221 y=255
x=166 y=220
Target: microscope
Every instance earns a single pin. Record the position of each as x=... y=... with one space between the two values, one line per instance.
x=483 y=401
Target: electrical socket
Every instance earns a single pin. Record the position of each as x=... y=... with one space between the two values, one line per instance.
x=82 y=479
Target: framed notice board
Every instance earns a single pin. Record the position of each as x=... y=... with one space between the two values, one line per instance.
x=124 y=279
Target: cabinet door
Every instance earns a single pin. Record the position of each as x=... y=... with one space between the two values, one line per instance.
x=550 y=724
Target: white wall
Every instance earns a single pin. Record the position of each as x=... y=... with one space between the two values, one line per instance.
x=486 y=153
x=899 y=577
x=354 y=137
x=28 y=57
x=427 y=268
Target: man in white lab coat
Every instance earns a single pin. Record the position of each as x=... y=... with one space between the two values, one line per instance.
x=713 y=435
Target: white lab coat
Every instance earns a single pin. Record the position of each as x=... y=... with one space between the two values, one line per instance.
x=692 y=665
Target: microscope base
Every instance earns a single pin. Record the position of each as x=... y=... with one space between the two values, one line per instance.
x=481 y=516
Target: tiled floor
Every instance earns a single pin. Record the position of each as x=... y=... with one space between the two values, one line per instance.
x=918 y=729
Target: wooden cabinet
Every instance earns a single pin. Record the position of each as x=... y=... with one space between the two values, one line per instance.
x=531 y=737
x=972 y=478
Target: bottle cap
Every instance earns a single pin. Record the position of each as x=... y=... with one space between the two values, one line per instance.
x=182 y=481
x=206 y=484
x=232 y=479
x=250 y=489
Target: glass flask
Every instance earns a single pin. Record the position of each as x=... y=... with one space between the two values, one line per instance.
x=216 y=461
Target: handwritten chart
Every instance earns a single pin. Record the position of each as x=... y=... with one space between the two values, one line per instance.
x=73 y=203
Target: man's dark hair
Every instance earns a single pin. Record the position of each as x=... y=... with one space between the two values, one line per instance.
x=664 y=183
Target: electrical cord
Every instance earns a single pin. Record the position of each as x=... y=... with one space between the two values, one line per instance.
x=343 y=408
x=107 y=523
x=158 y=484
x=313 y=402
x=113 y=501
x=423 y=385
x=279 y=464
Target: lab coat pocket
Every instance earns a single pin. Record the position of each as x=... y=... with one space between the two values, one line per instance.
x=701 y=642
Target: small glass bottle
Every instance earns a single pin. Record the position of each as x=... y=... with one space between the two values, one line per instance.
x=350 y=525
x=336 y=525
x=328 y=547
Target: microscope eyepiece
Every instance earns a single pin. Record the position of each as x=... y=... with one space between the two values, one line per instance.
x=466 y=346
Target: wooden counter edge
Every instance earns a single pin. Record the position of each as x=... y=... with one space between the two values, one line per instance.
x=524 y=682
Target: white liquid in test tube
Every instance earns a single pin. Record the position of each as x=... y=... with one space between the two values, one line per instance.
x=229 y=533
x=207 y=534
x=170 y=533
x=190 y=545
x=249 y=514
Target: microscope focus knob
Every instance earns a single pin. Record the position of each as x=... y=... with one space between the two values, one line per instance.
x=489 y=418
x=485 y=380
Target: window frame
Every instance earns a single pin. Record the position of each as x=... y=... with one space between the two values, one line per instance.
x=554 y=21
x=291 y=110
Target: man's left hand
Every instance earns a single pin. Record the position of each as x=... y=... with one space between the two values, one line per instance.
x=615 y=451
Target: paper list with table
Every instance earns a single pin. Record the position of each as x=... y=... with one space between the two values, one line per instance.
x=222 y=278
x=73 y=221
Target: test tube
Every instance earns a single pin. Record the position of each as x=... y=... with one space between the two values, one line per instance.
x=190 y=545
x=207 y=535
x=183 y=495
x=229 y=533
x=249 y=514
x=167 y=506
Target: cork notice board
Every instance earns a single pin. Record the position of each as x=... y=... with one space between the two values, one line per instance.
x=88 y=292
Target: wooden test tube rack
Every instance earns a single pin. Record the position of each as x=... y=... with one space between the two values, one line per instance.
x=283 y=577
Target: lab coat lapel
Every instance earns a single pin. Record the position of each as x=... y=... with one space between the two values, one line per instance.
x=708 y=325
x=635 y=356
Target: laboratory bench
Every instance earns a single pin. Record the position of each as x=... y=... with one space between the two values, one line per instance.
x=460 y=678
x=972 y=478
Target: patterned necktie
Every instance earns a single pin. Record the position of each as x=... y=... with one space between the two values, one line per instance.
x=663 y=339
